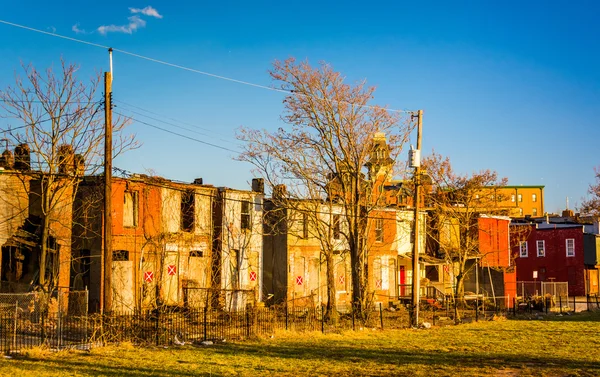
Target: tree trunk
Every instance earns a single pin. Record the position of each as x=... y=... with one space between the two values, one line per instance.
x=330 y=309
x=458 y=296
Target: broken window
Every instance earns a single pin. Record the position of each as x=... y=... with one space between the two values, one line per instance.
x=120 y=255
x=305 y=225
x=245 y=217
x=379 y=230
x=196 y=253
x=336 y=227
x=187 y=211
x=130 y=209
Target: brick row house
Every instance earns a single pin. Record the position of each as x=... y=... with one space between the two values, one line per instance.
x=558 y=252
x=174 y=244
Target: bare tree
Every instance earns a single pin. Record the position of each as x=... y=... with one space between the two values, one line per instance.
x=324 y=151
x=591 y=205
x=457 y=202
x=59 y=134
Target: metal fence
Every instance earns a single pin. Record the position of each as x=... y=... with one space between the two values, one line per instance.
x=22 y=329
x=542 y=288
x=555 y=304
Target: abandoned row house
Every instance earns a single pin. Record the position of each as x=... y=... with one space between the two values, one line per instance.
x=196 y=245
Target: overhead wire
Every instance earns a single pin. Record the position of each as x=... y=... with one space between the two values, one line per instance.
x=178 y=134
x=178 y=66
x=170 y=123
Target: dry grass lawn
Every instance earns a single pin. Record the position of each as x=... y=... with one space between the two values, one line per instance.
x=565 y=346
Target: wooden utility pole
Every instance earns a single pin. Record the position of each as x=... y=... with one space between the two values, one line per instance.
x=106 y=268
x=416 y=276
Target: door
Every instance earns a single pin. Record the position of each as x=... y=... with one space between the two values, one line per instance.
x=402 y=281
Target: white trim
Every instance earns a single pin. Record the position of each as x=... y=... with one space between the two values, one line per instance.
x=523 y=251
x=543 y=249
x=567 y=247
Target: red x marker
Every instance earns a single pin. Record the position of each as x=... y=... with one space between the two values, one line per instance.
x=171 y=269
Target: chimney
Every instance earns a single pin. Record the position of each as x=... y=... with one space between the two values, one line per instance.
x=258 y=185
x=22 y=157
x=198 y=181
x=65 y=159
x=7 y=159
x=279 y=192
x=79 y=163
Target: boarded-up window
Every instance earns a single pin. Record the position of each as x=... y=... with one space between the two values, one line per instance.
x=130 y=209
x=187 y=211
x=234 y=255
x=245 y=216
x=341 y=280
x=377 y=281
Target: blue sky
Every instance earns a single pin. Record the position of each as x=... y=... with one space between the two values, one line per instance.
x=513 y=86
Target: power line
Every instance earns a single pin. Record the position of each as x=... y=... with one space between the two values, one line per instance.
x=178 y=134
x=172 y=124
x=198 y=71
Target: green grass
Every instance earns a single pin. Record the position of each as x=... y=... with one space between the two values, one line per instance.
x=560 y=346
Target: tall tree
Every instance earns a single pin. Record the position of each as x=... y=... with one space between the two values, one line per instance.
x=456 y=203
x=591 y=205
x=59 y=135
x=323 y=151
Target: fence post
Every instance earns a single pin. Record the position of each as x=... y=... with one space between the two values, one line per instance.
x=597 y=306
x=15 y=326
x=59 y=325
x=574 y=305
x=322 y=321
x=156 y=329
x=352 y=317
x=560 y=303
x=286 y=315
x=433 y=318
x=204 y=321
x=247 y=323
x=477 y=308
x=514 y=306
x=587 y=300
x=381 y=314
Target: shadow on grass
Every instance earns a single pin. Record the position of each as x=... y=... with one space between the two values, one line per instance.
x=34 y=366
x=432 y=359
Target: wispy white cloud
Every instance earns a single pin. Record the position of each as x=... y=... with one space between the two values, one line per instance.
x=77 y=30
x=147 y=11
x=135 y=22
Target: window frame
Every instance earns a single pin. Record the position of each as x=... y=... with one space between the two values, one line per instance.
x=534 y=198
x=572 y=247
x=379 y=234
x=522 y=254
x=135 y=208
x=336 y=226
x=543 y=248
x=245 y=215
x=305 y=225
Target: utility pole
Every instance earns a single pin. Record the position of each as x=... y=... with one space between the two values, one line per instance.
x=415 y=161
x=106 y=262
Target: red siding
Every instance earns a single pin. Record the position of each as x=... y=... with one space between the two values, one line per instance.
x=493 y=241
x=555 y=265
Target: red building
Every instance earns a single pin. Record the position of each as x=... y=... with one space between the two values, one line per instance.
x=550 y=252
